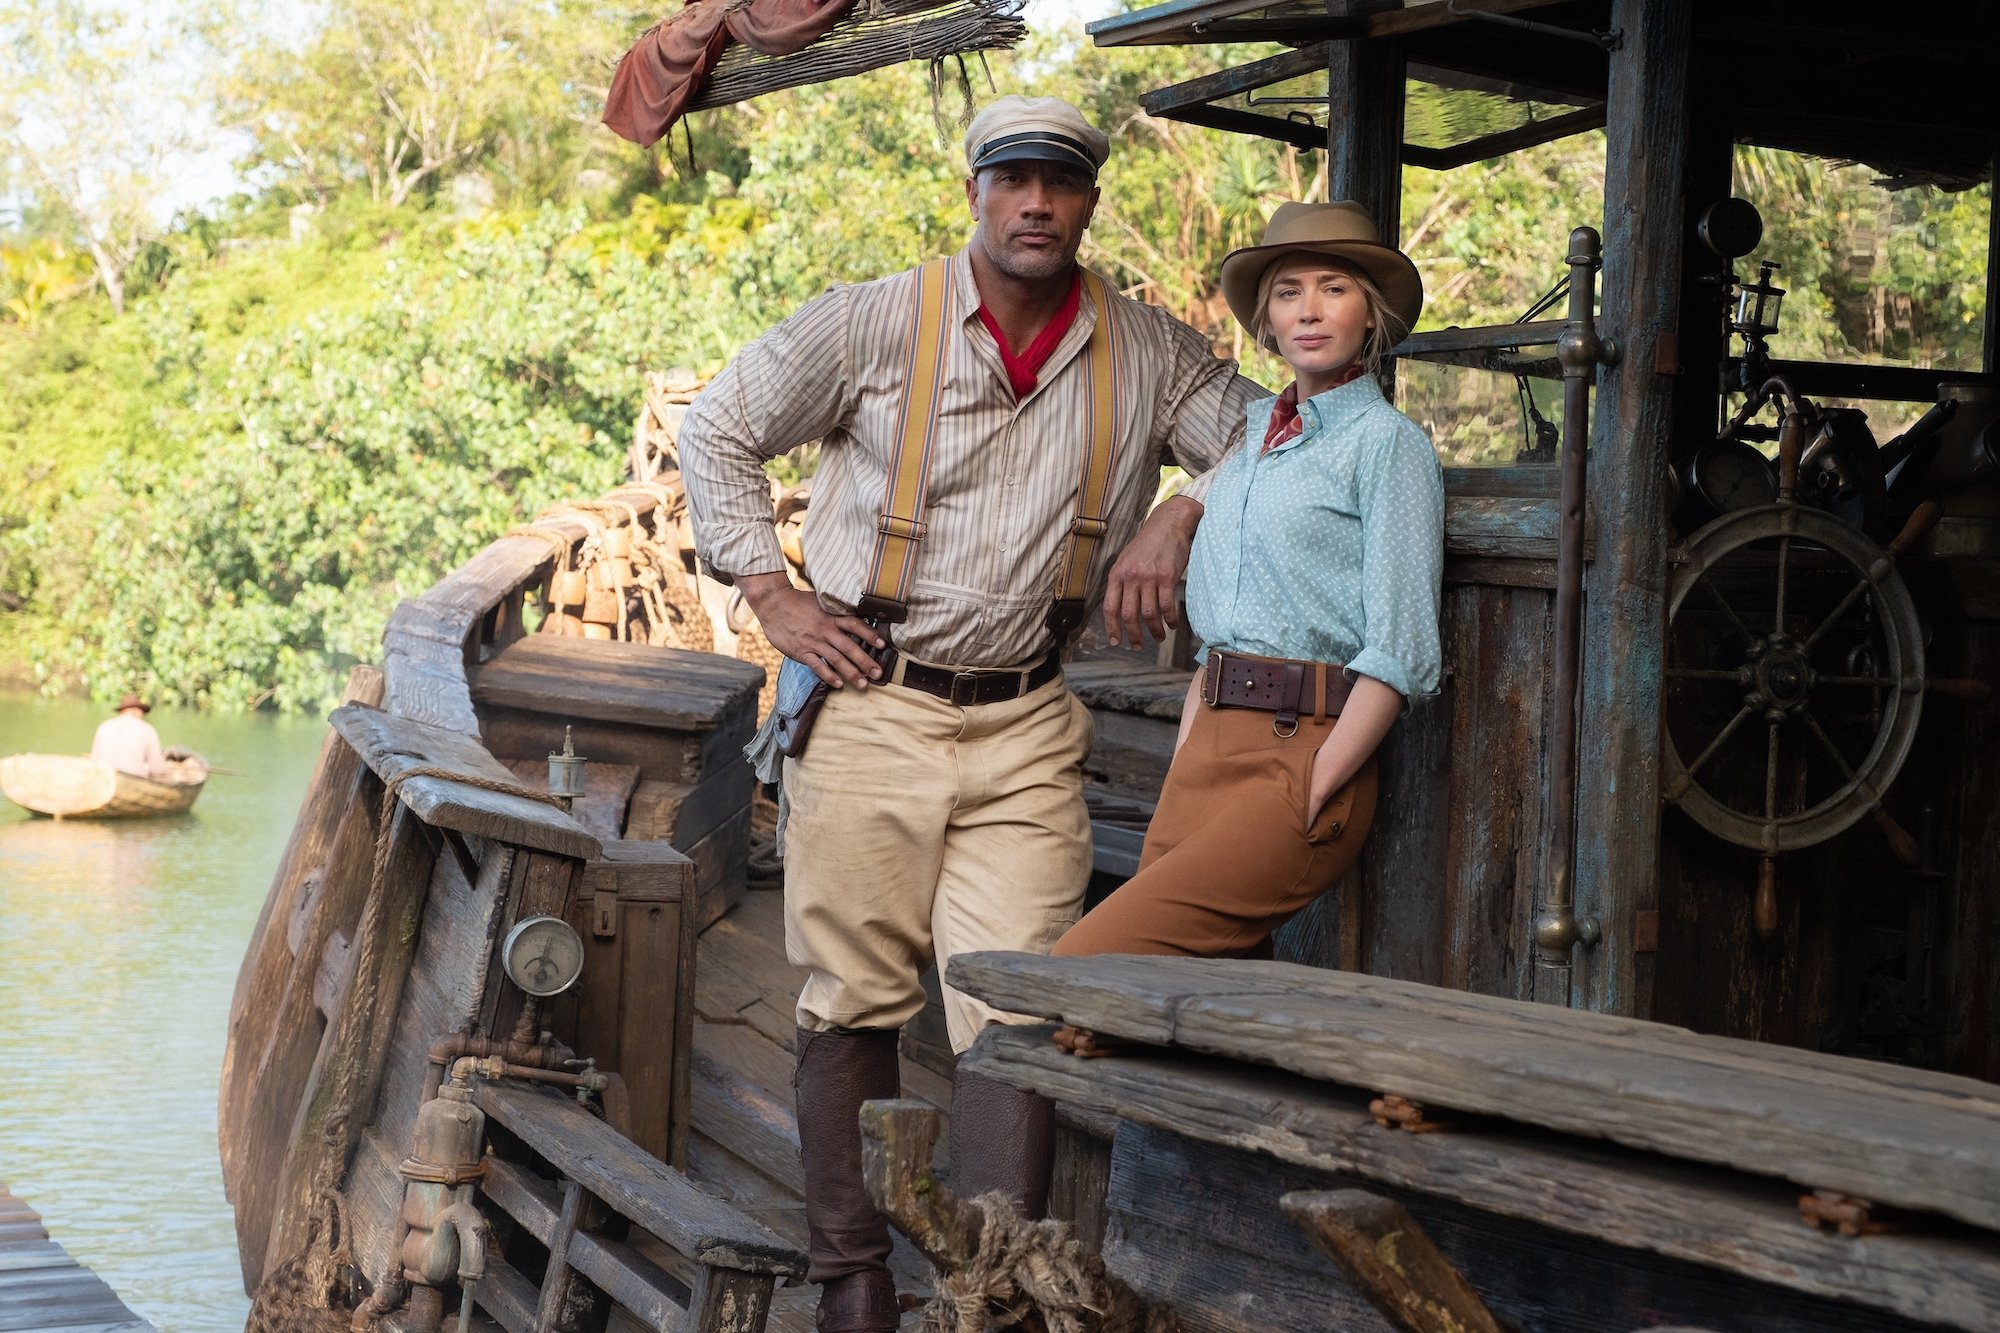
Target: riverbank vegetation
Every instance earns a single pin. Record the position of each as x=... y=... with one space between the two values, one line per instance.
x=423 y=320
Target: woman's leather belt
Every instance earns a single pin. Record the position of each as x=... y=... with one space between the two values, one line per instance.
x=966 y=688
x=1278 y=685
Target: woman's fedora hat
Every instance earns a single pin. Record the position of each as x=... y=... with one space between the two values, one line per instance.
x=1342 y=231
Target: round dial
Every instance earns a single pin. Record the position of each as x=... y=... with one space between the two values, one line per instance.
x=542 y=955
x=1730 y=475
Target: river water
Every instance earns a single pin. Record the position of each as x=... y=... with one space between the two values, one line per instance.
x=119 y=943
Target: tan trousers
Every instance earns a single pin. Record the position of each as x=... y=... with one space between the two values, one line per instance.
x=1230 y=855
x=919 y=830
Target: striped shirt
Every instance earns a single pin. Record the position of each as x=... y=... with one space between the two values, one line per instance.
x=1004 y=480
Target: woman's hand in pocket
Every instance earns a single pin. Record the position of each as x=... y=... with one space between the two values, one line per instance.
x=1371 y=710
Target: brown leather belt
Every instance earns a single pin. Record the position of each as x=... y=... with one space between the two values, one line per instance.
x=1274 y=685
x=966 y=688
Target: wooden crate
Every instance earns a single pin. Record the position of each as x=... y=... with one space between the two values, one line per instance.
x=633 y=1009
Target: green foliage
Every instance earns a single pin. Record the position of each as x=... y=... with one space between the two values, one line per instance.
x=321 y=400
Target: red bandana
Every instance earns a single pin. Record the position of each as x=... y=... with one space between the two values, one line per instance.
x=1286 y=423
x=1022 y=370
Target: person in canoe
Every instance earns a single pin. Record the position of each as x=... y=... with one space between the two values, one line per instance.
x=129 y=743
x=1314 y=584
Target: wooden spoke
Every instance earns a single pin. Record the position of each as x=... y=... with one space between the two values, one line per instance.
x=1784 y=566
x=1833 y=617
x=1771 y=775
x=1870 y=682
x=1846 y=769
x=1704 y=673
x=1715 y=594
x=1742 y=715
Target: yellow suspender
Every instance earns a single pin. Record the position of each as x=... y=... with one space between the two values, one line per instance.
x=899 y=530
x=1093 y=491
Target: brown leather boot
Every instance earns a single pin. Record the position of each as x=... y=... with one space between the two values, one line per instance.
x=1001 y=1139
x=849 y=1239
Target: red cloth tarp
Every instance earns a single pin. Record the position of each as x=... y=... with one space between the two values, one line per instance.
x=665 y=68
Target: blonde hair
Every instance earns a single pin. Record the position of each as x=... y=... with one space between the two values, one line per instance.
x=1388 y=327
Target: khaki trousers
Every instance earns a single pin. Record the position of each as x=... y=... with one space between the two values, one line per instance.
x=919 y=830
x=1230 y=855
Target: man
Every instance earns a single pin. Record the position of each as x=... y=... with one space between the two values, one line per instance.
x=127 y=742
x=937 y=808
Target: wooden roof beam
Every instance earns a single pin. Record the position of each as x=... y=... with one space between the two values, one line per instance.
x=1183 y=22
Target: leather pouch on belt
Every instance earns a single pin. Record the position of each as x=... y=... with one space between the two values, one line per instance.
x=796 y=706
x=801 y=694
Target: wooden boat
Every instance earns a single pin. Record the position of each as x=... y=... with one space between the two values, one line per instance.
x=72 y=787
x=1564 y=1061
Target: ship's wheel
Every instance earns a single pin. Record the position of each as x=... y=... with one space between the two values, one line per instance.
x=1794 y=680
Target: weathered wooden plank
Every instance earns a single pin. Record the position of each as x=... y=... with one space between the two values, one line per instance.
x=339 y=1094
x=392 y=745
x=1384 y=1253
x=1404 y=934
x=1202 y=1224
x=684 y=813
x=425 y=682
x=729 y=1302
x=1493 y=783
x=1129 y=684
x=637 y=1185
x=253 y=1009
x=273 y=1076
x=752 y=1124
x=607 y=790
x=1624 y=625
x=1079 y=1174
x=41 y=1287
x=1737 y=1223
x=541 y=885
x=720 y=863
x=1928 y=1142
x=617 y=682
x=661 y=756
x=635 y=1004
x=1505 y=527
x=1131 y=753
x=621 y=1272
x=507 y=1296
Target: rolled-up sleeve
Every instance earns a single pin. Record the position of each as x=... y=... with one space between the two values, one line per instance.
x=788 y=388
x=1205 y=407
x=1402 y=564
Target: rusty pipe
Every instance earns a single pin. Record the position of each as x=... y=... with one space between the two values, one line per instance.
x=448 y=1049
x=587 y=1079
x=1580 y=351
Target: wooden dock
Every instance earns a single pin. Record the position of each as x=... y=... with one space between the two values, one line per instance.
x=43 y=1290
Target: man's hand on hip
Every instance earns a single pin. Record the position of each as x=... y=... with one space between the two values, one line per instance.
x=798 y=628
x=1143 y=580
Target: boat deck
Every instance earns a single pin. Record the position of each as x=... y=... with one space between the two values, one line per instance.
x=745 y=1144
x=43 y=1290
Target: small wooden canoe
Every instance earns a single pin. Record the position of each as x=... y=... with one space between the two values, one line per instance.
x=70 y=787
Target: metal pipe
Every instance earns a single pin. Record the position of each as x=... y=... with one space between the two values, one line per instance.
x=447 y=1049
x=1581 y=351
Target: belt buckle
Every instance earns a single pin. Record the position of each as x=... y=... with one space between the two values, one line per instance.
x=970 y=679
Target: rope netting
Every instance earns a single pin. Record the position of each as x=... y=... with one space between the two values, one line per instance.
x=1026 y=1268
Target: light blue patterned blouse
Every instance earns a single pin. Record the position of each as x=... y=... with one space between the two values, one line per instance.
x=1331 y=546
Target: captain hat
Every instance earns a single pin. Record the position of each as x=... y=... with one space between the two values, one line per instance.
x=1034 y=129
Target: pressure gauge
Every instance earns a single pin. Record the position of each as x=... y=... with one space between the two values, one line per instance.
x=542 y=955
x=1728 y=475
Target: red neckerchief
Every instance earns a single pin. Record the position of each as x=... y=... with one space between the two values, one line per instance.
x=1286 y=423
x=1022 y=370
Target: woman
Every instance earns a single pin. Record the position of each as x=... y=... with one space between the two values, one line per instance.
x=1313 y=581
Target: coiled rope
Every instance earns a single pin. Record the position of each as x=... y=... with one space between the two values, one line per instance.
x=1026 y=1267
